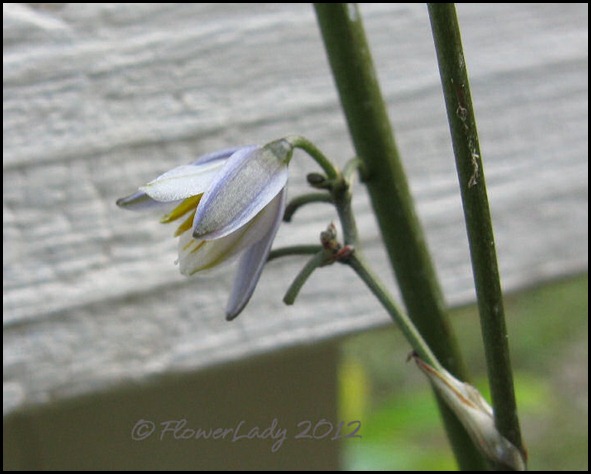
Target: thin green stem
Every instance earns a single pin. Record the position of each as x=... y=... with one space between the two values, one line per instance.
x=341 y=193
x=460 y=112
x=292 y=251
x=315 y=262
x=306 y=145
x=356 y=79
x=303 y=200
x=400 y=318
x=354 y=164
x=342 y=197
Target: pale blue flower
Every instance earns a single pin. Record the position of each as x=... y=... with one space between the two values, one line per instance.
x=232 y=202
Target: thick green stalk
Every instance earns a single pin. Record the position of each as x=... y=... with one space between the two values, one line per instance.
x=371 y=132
x=460 y=112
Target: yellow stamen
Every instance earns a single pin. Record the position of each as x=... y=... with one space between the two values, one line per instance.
x=198 y=244
x=185 y=206
x=186 y=225
x=201 y=244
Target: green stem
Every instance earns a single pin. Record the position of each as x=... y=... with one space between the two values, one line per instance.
x=369 y=125
x=303 y=200
x=295 y=250
x=372 y=136
x=341 y=194
x=304 y=144
x=353 y=165
x=402 y=320
x=460 y=112
x=315 y=262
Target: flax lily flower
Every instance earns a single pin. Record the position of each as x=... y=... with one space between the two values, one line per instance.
x=231 y=202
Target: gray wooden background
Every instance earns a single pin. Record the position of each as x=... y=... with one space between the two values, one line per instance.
x=100 y=98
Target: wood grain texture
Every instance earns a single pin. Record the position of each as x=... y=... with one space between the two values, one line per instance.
x=101 y=98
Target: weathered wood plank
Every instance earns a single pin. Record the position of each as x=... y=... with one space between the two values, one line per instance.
x=99 y=98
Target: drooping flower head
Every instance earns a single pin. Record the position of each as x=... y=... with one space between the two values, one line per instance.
x=228 y=203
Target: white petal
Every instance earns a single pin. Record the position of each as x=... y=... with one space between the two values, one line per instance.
x=254 y=259
x=250 y=179
x=140 y=201
x=183 y=181
x=198 y=255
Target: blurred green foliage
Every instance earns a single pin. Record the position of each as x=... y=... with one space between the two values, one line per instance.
x=400 y=424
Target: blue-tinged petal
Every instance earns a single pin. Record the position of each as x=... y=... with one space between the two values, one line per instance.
x=250 y=179
x=254 y=258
